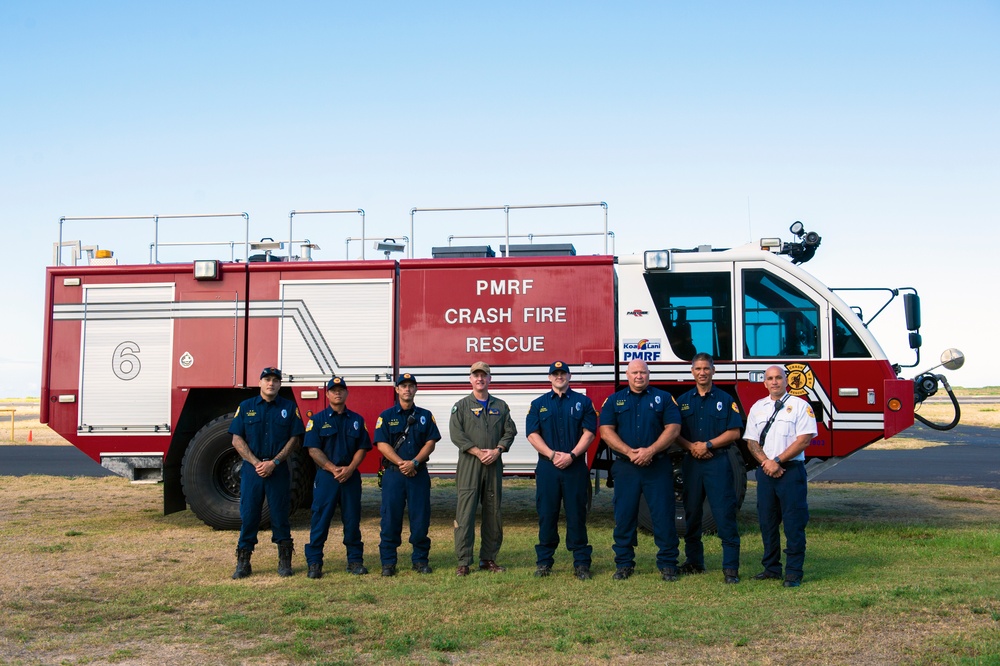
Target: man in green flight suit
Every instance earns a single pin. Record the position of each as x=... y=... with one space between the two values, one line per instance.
x=482 y=429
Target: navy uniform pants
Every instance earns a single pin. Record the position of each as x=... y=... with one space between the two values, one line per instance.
x=328 y=493
x=712 y=479
x=656 y=484
x=783 y=500
x=253 y=490
x=413 y=493
x=555 y=487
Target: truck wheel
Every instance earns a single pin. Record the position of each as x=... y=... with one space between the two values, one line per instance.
x=303 y=474
x=646 y=519
x=210 y=476
x=708 y=520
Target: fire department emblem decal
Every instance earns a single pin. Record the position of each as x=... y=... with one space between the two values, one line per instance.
x=800 y=378
x=186 y=360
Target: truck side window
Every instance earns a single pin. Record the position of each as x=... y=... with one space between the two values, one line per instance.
x=778 y=320
x=846 y=343
x=696 y=311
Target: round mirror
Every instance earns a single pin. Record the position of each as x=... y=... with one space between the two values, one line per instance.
x=952 y=359
x=797 y=228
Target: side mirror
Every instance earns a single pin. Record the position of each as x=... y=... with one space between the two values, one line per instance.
x=911 y=307
x=952 y=359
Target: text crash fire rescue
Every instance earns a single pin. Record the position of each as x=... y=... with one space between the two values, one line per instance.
x=531 y=315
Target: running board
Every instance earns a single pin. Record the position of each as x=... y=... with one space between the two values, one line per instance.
x=815 y=467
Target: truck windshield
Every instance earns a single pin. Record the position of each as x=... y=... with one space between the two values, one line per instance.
x=778 y=319
x=696 y=310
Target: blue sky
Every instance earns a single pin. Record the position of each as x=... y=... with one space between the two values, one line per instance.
x=698 y=123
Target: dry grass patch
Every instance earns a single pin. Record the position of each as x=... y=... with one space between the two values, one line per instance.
x=26 y=423
x=902 y=444
x=95 y=574
x=973 y=414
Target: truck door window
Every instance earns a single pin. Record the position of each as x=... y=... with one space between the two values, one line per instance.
x=696 y=312
x=846 y=343
x=778 y=319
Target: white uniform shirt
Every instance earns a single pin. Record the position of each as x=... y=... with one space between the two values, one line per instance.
x=794 y=418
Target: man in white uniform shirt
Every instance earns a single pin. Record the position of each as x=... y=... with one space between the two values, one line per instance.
x=779 y=428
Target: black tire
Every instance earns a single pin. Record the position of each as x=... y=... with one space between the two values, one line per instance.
x=210 y=477
x=708 y=525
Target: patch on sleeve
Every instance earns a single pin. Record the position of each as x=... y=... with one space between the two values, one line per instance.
x=237 y=412
x=735 y=408
x=454 y=408
x=309 y=426
x=809 y=410
x=378 y=424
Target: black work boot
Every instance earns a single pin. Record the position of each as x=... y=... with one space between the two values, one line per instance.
x=242 y=563
x=285 y=549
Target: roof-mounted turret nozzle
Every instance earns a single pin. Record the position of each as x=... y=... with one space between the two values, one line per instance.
x=803 y=250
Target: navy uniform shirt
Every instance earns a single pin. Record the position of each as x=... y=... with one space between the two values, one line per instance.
x=392 y=422
x=338 y=436
x=561 y=420
x=639 y=418
x=266 y=426
x=703 y=418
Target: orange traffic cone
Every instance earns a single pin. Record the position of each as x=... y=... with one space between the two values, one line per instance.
x=29 y=436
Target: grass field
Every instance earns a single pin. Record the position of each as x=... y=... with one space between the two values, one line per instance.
x=94 y=574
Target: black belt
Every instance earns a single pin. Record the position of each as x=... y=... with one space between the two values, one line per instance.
x=724 y=447
x=658 y=456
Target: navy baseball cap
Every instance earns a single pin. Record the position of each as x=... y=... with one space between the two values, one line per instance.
x=558 y=366
x=336 y=382
x=405 y=377
x=270 y=372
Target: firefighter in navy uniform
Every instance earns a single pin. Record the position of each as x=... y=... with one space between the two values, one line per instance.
x=639 y=423
x=405 y=435
x=561 y=425
x=710 y=424
x=337 y=440
x=266 y=430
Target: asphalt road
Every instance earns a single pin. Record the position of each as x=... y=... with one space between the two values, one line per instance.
x=972 y=458
x=25 y=459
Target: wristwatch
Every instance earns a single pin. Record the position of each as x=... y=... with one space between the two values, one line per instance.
x=573 y=456
x=709 y=445
x=276 y=461
x=776 y=459
x=415 y=463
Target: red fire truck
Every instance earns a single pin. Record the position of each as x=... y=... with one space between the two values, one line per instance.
x=145 y=364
